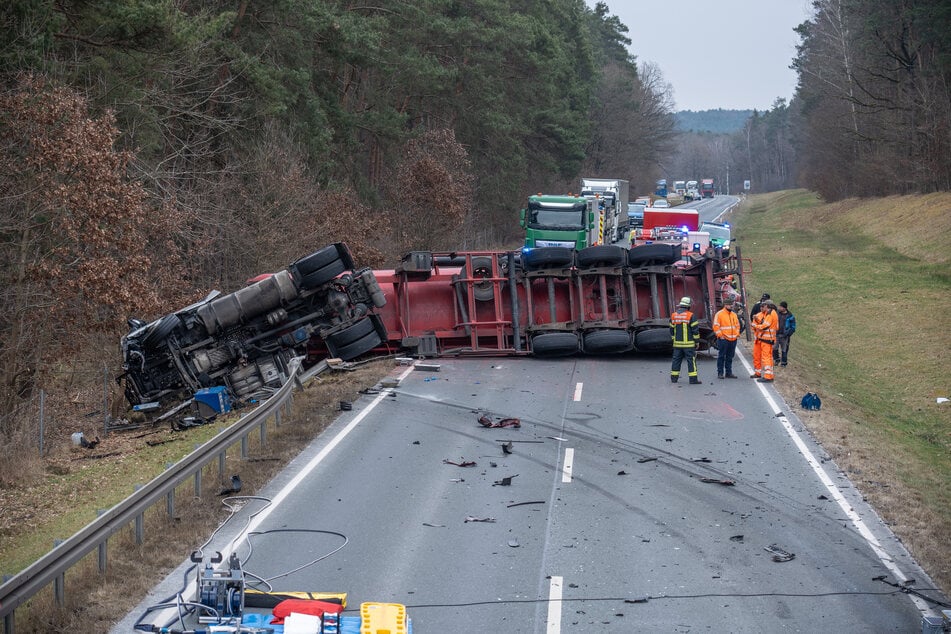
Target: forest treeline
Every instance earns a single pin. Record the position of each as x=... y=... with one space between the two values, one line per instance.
x=153 y=149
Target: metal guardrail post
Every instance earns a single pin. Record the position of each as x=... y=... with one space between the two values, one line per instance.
x=244 y=447
x=59 y=582
x=170 y=496
x=221 y=465
x=263 y=432
x=139 y=522
x=103 y=547
x=9 y=623
x=198 y=477
x=277 y=418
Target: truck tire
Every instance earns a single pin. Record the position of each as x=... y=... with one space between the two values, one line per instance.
x=653 y=340
x=360 y=338
x=482 y=268
x=547 y=257
x=654 y=254
x=351 y=333
x=602 y=255
x=615 y=341
x=555 y=344
x=321 y=276
x=358 y=347
x=319 y=259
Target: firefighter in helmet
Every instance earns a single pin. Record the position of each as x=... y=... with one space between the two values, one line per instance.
x=685 y=333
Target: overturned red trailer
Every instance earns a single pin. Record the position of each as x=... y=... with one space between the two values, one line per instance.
x=547 y=301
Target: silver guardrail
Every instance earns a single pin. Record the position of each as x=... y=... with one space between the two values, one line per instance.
x=51 y=567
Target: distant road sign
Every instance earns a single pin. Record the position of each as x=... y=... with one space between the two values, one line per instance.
x=746 y=185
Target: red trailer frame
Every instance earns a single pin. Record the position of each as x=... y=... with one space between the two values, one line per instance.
x=602 y=300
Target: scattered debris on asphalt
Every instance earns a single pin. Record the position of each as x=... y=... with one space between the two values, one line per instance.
x=779 y=555
x=727 y=483
x=464 y=463
x=470 y=518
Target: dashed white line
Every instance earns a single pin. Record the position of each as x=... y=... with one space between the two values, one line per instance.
x=578 y=389
x=567 y=465
x=554 y=605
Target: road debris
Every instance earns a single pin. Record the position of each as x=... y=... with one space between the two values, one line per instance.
x=508 y=506
x=464 y=463
x=434 y=525
x=507 y=447
x=504 y=482
x=470 y=518
x=647 y=459
x=727 y=483
x=779 y=555
x=485 y=421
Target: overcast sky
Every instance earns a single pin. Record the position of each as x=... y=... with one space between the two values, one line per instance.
x=732 y=54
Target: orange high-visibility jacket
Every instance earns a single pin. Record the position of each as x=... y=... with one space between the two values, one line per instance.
x=765 y=326
x=726 y=325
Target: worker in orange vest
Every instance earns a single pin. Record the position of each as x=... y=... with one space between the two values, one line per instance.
x=764 y=327
x=726 y=326
x=685 y=333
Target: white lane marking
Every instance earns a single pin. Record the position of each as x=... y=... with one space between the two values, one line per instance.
x=554 y=605
x=578 y=389
x=835 y=492
x=310 y=466
x=567 y=464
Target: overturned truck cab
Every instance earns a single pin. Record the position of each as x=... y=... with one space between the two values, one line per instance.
x=244 y=340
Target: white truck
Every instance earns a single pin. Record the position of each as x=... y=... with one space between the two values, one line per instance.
x=693 y=191
x=680 y=187
x=614 y=194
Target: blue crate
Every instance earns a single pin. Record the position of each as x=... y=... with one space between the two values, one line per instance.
x=217 y=398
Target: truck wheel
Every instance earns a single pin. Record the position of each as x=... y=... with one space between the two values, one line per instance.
x=351 y=333
x=358 y=347
x=482 y=268
x=602 y=255
x=555 y=344
x=321 y=276
x=607 y=342
x=653 y=340
x=319 y=259
x=654 y=254
x=547 y=257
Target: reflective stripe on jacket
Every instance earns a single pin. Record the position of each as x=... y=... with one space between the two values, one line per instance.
x=765 y=326
x=684 y=329
x=726 y=325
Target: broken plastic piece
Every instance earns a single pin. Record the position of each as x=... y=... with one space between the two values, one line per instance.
x=485 y=421
x=506 y=481
x=647 y=459
x=779 y=554
x=724 y=482
x=464 y=463
x=470 y=518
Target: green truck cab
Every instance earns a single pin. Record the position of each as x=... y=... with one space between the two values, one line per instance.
x=561 y=221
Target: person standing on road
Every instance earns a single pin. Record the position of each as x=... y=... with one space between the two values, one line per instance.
x=726 y=326
x=754 y=311
x=764 y=331
x=785 y=328
x=685 y=333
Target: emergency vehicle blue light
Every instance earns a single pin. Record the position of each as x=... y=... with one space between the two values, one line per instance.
x=684 y=229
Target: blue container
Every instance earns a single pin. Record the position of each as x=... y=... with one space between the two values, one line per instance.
x=217 y=398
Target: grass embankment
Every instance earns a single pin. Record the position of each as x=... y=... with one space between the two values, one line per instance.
x=868 y=281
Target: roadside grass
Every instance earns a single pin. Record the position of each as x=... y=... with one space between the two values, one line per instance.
x=867 y=281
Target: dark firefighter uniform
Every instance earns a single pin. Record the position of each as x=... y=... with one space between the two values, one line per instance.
x=685 y=333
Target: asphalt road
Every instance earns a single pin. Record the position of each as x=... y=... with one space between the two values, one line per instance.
x=641 y=505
